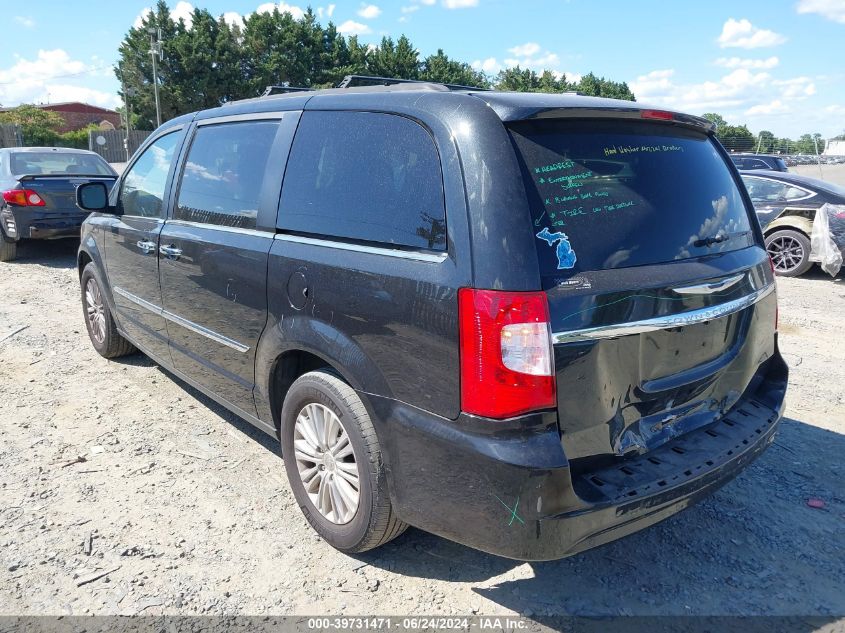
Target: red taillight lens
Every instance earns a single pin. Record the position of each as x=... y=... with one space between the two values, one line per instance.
x=23 y=198
x=506 y=353
x=657 y=114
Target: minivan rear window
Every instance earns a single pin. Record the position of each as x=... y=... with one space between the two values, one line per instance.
x=612 y=194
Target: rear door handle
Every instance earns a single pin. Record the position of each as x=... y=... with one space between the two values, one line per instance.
x=146 y=246
x=170 y=251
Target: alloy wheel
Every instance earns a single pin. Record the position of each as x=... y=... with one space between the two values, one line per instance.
x=786 y=252
x=326 y=463
x=95 y=310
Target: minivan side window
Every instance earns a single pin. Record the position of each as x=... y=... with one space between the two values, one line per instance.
x=364 y=176
x=222 y=177
x=142 y=189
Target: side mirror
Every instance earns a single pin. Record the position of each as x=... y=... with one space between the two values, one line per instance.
x=92 y=196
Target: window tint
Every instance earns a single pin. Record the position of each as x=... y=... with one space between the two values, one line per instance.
x=755 y=163
x=223 y=174
x=143 y=186
x=364 y=176
x=616 y=194
x=763 y=189
x=794 y=193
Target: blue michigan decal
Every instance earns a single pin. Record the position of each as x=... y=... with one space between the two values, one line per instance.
x=565 y=255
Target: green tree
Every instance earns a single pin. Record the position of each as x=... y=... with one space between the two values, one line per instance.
x=38 y=126
x=399 y=60
x=715 y=119
x=440 y=68
x=600 y=87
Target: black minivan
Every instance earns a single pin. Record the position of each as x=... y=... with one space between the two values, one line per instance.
x=529 y=323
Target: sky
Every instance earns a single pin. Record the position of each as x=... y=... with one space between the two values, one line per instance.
x=776 y=65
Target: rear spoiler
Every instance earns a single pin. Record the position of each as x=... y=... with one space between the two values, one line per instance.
x=23 y=177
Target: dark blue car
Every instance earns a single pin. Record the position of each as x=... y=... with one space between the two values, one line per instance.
x=38 y=186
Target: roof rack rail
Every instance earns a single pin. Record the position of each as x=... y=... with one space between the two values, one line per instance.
x=352 y=81
x=269 y=90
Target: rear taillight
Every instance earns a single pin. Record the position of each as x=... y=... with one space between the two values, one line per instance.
x=23 y=198
x=506 y=353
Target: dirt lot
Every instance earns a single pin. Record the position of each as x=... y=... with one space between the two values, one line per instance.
x=124 y=491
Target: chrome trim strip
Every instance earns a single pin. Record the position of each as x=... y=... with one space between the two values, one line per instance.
x=709 y=288
x=220 y=227
x=214 y=336
x=234 y=118
x=663 y=322
x=435 y=258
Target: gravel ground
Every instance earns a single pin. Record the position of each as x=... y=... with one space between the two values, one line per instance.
x=124 y=491
x=831 y=173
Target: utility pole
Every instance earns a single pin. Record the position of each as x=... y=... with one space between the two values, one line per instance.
x=155 y=50
x=127 y=115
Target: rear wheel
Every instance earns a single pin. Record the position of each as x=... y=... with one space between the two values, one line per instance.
x=8 y=250
x=102 y=329
x=790 y=252
x=334 y=464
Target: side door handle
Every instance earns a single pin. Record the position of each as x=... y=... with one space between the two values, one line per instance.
x=146 y=246
x=171 y=252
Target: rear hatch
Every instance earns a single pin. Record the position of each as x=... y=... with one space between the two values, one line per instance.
x=660 y=293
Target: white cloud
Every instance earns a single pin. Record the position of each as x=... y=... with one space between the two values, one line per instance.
x=330 y=10
x=183 y=11
x=830 y=9
x=369 y=11
x=796 y=88
x=525 y=50
x=233 y=18
x=410 y=9
x=428 y=2
x=295 y=11
x=489 y=65
x=350 y=27
x=25 y=21
x=775 y=107
x=743 y=34
x=138 y=23
x=33 y=81
x=457 y=4
x=739 y=62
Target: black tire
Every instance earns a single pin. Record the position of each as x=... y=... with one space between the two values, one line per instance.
x=790 y=252
x=8 y=250
x=374 y=522
x=108 y=342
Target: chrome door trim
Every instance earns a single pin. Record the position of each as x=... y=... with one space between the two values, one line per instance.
x=435 y=258
x=250 y=116
x=667 y=322
x=219 y=227
x=709 y=288
x=175 y=318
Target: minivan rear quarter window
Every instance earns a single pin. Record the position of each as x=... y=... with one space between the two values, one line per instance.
x=364 y=176
x=611 y=194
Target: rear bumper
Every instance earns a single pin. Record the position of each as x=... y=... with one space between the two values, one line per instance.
x=40 y=226
x=512 y=493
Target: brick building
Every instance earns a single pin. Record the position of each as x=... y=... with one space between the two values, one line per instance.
x=77 y=115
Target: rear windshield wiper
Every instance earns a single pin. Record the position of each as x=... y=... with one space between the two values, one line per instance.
x=717 y=239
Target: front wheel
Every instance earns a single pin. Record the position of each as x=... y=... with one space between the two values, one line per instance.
x=335 y=465
x=790 y=252
x=101 y=327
